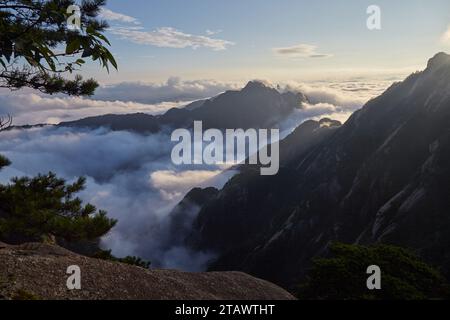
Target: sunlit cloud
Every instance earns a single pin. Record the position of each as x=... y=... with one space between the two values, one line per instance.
x=212 y=32
x=445 y=38
x=300 y=51
x=115 y=16
x=31 y=107
x=168 y=37
x=174 y=184
x=129 y=175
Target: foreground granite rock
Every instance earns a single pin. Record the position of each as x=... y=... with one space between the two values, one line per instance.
x=38 y=271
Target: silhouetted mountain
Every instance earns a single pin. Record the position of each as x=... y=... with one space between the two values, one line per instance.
x=383 y=176
x=255 y=106
x=183 y=215
x=138 y=122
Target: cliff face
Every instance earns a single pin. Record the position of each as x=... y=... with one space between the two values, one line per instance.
x=38 y=271
x=384 y=176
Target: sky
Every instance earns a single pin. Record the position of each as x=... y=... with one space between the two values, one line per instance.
x=172 y=52
x=276 y=40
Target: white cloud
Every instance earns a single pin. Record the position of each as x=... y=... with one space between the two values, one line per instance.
x=212 y=32
x=130 y=175
x=167 y=37
x=334 y=100
x=300 y=51
x=445 y=38
x=348 y=94
x=29 y=107
x=32 y=108
x=174 y=89
x=118 y=167
x=174 y=184
x=114 y=16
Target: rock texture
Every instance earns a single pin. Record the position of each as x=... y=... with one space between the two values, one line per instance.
x=383 y=176
x=38 y=271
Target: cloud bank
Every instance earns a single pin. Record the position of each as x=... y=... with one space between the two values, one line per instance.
x=33 y=108
x=30 y=107
x=129 y=175
x=173 y=90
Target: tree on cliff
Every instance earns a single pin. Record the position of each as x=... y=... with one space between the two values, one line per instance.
x=44 y=208
x=42 y=42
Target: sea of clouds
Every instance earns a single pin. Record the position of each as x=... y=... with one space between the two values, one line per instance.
x=131 y=175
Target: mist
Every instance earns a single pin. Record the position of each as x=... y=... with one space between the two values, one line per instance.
x=128 y=175
x=131 y=176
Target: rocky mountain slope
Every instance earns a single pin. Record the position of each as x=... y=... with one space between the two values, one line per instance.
x=383 y=176
x=38 y=271
x=255 y=106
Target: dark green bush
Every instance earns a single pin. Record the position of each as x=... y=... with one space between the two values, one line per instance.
x=342 y=275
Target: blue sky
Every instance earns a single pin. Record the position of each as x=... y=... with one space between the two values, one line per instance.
x=240 y=37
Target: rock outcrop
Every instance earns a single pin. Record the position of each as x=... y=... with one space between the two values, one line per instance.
x=38 y=271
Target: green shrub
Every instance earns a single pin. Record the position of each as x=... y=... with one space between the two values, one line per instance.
x=135 y=261
x=44 y=207
x=342 y=275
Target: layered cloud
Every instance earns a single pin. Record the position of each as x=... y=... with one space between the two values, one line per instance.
x=29 y=107
x=171 y=182
x=212 y=32
x=334 y=100
x=167 y=37
x=173 y=90
x=301 y=50
x=115 y=16
x=32 y=108
x=350 y=94
x=445 y=38
x=129 y=175
x=130 y=29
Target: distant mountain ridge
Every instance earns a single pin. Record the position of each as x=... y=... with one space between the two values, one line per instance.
x=383 y=176
x=255 y=106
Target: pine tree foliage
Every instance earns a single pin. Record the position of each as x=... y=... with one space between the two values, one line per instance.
x=43 y=41
x=45 y=207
